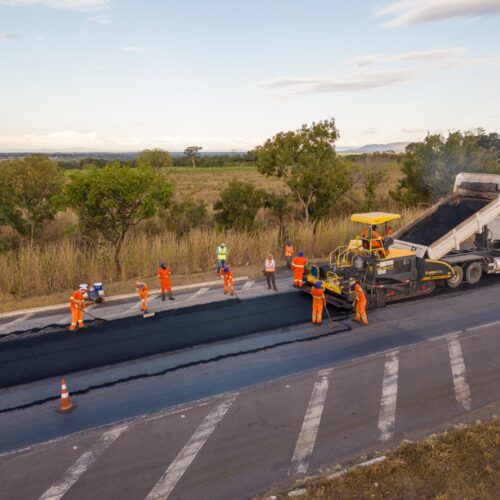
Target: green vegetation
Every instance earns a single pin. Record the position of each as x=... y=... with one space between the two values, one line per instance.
x=459 y=464
x=430 y=167
x=96 y=220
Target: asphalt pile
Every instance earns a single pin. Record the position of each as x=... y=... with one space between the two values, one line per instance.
x=27 y=358
x=447 y=216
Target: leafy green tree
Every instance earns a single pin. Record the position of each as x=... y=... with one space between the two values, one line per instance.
x=29 y=191
x=186 y=215
x=281 y=207
x=193 y=152
x=430 y=167
x=306 y=159
x=372 y=177
x=113 y=199
x=156 y=158
x=238 y=205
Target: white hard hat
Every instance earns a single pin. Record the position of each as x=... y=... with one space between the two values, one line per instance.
x=222 y=244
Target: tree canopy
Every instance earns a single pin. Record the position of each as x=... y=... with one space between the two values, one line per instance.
x=193 y=152
x=29 y=191
x=155 y=158
x=430 y=167
x=113 y=199
x=306 y=159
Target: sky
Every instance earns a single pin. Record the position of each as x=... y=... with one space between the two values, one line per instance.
x=125 y=75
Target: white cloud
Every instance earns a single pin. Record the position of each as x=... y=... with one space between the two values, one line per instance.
x=78 y=5
x=354 y=82
x=424 y=56
x=133 y=49
x=101 y=19
x=90 y=140
x=6 y=37
x=413 y=12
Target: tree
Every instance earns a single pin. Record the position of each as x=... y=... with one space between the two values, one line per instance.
x=113 y=199
x=155 y=158
x=430 y=167
x=279 y=204
x=373 y=176
x=186 y=215
x=307 y=161
x=193 y=152
x=29 y=190
x=238 y=205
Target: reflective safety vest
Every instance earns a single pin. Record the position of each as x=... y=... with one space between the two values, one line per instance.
x=164 y=274
x=222 y=253
x=76 y=301
x=288 y=250
x=318 y=295
x=270 y=265
x=299 y=262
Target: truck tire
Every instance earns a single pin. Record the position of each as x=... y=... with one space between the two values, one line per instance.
x=473 y=273
x=456 y=280
x=380 y=299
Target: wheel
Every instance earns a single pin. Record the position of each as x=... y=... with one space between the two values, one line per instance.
x=473 y=273
x=380 y=299
x=456 y=279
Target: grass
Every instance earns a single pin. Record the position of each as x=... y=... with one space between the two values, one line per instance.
x=38 y=275
x=460 y=464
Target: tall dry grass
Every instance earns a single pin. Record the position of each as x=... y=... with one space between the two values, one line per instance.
x=64 y=264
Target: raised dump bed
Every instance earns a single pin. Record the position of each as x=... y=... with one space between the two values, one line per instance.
x=443 y=228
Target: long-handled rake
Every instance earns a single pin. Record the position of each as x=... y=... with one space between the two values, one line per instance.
x=331 y=323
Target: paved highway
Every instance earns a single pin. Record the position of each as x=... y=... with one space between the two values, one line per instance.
x=229 y=419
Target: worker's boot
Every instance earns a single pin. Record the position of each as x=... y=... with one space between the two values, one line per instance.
x=163 y=297
x=170 y=296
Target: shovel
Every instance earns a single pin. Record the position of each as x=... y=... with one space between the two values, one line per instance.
x=331 y=323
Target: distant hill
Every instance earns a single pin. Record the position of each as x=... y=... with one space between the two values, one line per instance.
x=396 y=147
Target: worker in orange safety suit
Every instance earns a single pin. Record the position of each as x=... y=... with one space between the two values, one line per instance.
x=143 y=290
x=163 y=274
x=77 y=305
x=376 y=239
x=319 y=300
x=227 y=275
x=360 y=304
x=298 y=264
x=289 y=254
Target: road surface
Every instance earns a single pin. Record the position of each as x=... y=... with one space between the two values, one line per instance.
x=232 y=418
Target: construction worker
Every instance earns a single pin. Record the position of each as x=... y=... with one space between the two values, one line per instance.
x=319 y=300
x=163 y=274
x=77 y=305
x=360 y=304
x=227 y=275
x=143 y=290
x=298 y=264
x=373 y=236
x=289 y=254
x=270 y=272
x=221 y=257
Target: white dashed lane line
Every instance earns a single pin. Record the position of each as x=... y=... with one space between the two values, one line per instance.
x=462 y=389
x=10 y=324
x=197 y=294
x=387 y=416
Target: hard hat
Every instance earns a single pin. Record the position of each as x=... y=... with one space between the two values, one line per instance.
x=374 y=227
x=226 y=269
x=318 y=284
x=301 y=254
x=82 y=290
x=222 y=244
x=163 y=265
x=288 y=242
x=138 y=284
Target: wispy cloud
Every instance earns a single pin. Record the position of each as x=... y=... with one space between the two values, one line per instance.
x=101 y=19
x=91 y=140
x=6 y=37
x=425 y=56
x=354 y=82
x=134 y=49
x=413 y=12
x=78 y=5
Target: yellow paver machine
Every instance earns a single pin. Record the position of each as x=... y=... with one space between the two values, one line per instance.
x=385 y=272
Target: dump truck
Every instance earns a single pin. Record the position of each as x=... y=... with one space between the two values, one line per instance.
x=457 y=240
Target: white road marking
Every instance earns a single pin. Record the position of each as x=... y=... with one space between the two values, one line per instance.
x=74 y=473
x=16 y=321
x=135 y=306
x=178 y=467
x=387 y=416
x=462 y=389
x=248 y=285
x=485 y=325
x=310 y=425
x=198 y=293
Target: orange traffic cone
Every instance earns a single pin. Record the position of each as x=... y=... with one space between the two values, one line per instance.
x=65 y=404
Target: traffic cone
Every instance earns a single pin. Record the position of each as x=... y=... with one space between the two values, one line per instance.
x=65 y=405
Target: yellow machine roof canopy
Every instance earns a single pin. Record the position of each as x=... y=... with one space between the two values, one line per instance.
x=374 y=217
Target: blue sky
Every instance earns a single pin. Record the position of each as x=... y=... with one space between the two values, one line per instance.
x=227 y=74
